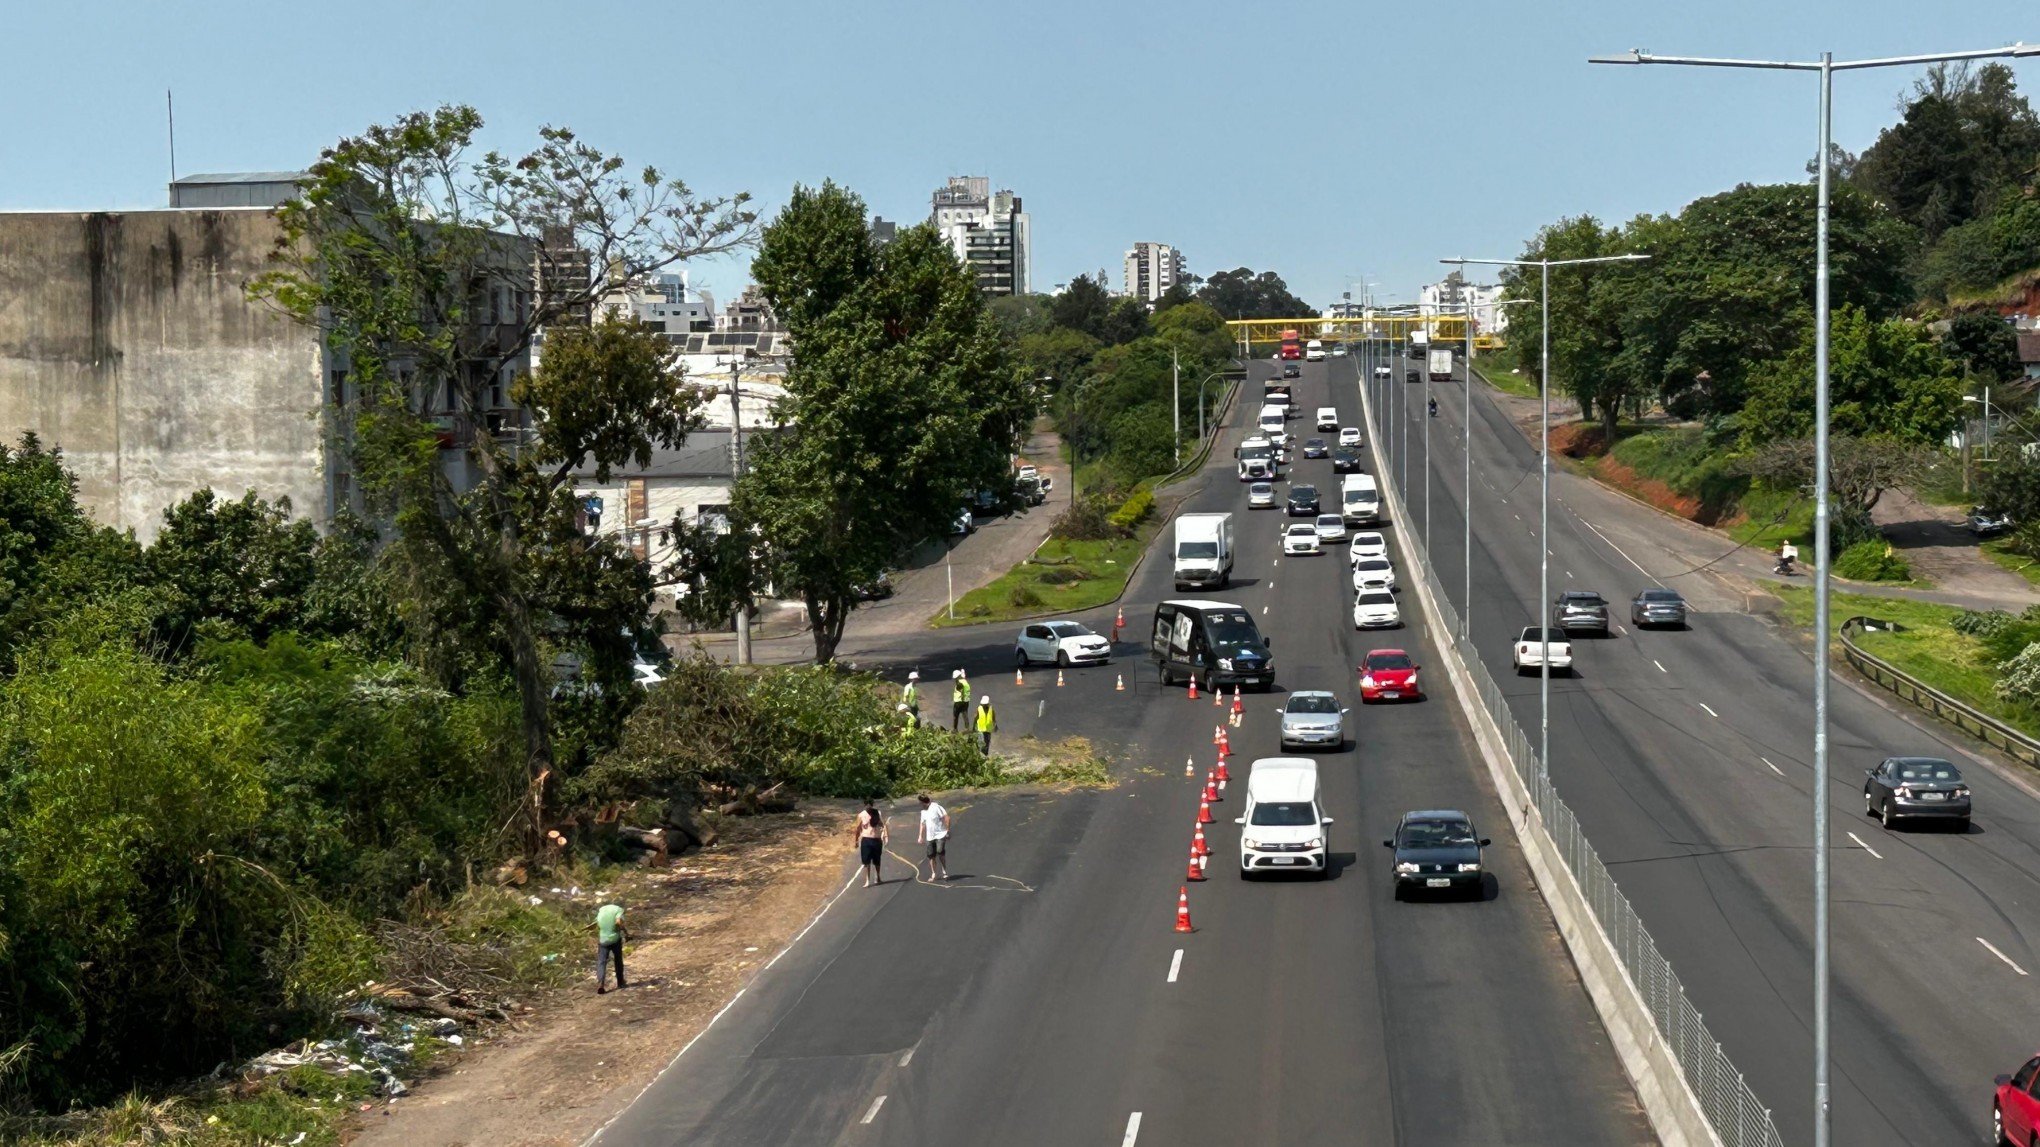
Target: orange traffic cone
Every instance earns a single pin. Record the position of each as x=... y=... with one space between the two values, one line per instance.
x=1183 y=910
x=1120 y=686
x=1236 y=706
x=1197 y=845
x=1224 y=774
x=1189 y=768
x=1196 y=871
x=1217 y=698
x=1217 y=734
x=1193 y=688
x=1211 y=789
x=1203 y=812
x=1120 y=621
x=1058 y=678
x=1019 y=677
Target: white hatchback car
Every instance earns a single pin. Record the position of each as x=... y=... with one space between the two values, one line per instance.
x=1300 y=538
x=1373 y=573
x=1368 y=544
x=1349 y=436
x=1330 y=528
x=1383 y=372
x=1261 y=495
x=1376 y=609
x=1063 y=642
x=1327 y=418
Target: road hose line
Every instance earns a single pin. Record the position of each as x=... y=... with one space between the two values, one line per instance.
x=1017 y=885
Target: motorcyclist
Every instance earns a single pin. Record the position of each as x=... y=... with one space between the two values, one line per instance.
x=1434 y=408
x=1787 y=554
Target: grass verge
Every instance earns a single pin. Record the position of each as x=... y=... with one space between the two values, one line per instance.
x=1929 y=647
x=1501 y=370
x=1999 y=550
x=1061 y=577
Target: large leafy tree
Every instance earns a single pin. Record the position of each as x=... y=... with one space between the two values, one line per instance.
x=227 y=569
x=52 y=555
x=414 y=259
x=1243 y=294
x=1588 y=306
x=1965 y=135
x=1984 y=346
x=1888 y=379
x=900 y=401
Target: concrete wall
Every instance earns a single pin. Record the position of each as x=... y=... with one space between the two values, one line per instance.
x=126 y=340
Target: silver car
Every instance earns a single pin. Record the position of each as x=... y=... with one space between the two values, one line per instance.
x=1261 y=495
x=1313 y=719
x=1657 y=607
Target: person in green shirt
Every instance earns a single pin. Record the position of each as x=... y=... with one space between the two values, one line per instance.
x=609 y=937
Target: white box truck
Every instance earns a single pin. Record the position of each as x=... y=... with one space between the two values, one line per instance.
x=1204 y=550
x=1441 y=364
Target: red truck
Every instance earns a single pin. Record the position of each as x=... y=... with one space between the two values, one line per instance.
x=1291 y=348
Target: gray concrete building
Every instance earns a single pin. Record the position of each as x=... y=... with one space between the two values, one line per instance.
x=990 y=232
x=1151 y=269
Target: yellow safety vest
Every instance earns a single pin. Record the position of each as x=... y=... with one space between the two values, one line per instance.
x=962 y=691
x=986 y=722
x=912 y=696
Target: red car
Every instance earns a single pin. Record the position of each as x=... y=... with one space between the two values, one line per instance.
x=1388 y=675
x=2015 y=1116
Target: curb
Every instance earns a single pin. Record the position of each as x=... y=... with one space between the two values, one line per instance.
x=1662 y=1089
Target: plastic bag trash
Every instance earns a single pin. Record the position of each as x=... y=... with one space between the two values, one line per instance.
x=455 y=1040
x=535 y=901
x=445 y=1026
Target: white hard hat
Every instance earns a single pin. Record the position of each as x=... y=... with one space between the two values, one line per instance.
x=958 y=673
x=901 y=707
x=915 y=675
x=985 y=699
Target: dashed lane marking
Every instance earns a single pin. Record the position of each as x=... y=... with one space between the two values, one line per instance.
x=873 y=1113
x=1660 y=665
x=1175 y=965
x=1774 y=768
x=1132 y=1130
x=907 y=1058
x=1710 y=712
x=1866 y=848
x=1994 y=952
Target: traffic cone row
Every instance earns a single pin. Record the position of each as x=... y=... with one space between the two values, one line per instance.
x=1211 y=789
x=1224 y=746
x=1196 y=869
x=1224 y=774
x=1204 y=812
x=1197 y=845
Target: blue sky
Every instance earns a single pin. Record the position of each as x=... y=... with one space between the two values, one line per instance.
x=1334 y=143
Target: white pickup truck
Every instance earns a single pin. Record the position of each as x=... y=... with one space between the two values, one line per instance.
x=1529 y=651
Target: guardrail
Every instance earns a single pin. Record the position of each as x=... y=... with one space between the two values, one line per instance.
x=1707 y=1085
x=1906 y=687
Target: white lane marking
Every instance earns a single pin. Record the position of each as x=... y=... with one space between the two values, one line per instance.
x=2000 y=955
x=1264 y=611
x=1519 y=517
x=907 y=1058
x=1132 y=1130
x=1175 y=965
x=1616 y=548
x=1568 y=573
x=873 y=1113
x=1774 y=768
x=1277 y=561
x=1866 y=848
x=1710 y=712
x=1660 y=665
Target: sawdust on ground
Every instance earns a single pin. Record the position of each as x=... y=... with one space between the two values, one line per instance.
x=700 y=929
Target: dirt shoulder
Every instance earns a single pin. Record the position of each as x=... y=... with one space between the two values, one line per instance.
x=701 y=929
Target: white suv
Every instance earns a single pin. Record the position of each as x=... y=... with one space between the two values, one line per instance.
x=1284 y=826
x=1327 y=418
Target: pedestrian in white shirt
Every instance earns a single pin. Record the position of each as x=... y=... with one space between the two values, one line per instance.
x=934 y=832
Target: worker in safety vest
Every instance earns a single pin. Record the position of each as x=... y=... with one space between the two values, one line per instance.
x=987 y=724
x=959 y=700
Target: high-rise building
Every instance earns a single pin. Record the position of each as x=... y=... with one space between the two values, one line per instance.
x=1151 y=269
x=1450 y=296
x=989 y=231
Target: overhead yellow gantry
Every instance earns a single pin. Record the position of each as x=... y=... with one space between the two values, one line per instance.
x=1446 y=329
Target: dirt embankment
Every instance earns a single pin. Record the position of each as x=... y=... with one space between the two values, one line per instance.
x=699 y=930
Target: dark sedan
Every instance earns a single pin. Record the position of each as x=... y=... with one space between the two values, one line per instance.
x=1657 y=607
x=1578 y=609
x=1291 y=370
x=1303 y=501
x=1916 y=788
x=1436 y=849
x=1315 y=448
x=1345 y=460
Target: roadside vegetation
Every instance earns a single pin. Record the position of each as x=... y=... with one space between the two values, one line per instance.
x=1694 y=369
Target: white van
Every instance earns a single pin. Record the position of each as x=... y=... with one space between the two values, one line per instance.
x=1284 y=827
x=1314 y=351
x=1272 y=418
x=1359 y=500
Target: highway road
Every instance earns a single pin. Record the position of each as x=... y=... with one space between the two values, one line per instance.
x=1688 y=757
x=1043 y=997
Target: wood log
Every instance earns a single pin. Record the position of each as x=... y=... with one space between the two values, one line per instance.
x=678 y=818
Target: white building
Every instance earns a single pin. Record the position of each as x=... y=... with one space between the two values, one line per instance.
x=1450 y=296
x=1151 y=269
x=989 y=231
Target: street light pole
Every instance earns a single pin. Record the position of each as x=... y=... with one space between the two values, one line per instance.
x=1826 y=67
x=1176 y=402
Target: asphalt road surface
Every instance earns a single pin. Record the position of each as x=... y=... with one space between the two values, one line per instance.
x=1688 y=757
x=1042 y=995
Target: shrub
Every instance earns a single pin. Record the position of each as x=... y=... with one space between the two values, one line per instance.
x=1872 y=560
x=1984 y=624
x=1063 y=575
x=1129 y=515
x=2030 y=613
x=1023 y=597
x=2019 y=678
x=2009 y=639
x=1086 y=520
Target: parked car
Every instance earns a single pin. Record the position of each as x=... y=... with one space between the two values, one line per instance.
x=1389 y=675
x=1312 y=717
x=2015 y=1110
x=1300 y=538
x=1261 y=496
x=1331 y=528
x=1346 y=460
x=877 y=589
x=1303 y=500
x=1376 y=609
x=1657 y=607
x=1528 y=652
x=1436 y=850
x=1315 y=448
x=1916 y=788
x=1063 y=642
x=1350 y=436
x=1988 y=523
x=1576 y=610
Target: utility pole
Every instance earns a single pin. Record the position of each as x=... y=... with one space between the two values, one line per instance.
x=1176 y=402
x=736 y=472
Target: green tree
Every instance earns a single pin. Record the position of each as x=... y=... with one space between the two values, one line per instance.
x=1023 y=315
x=1059 y=353
x=1965 y=135
x=1084 y=306
x=52 y=555
x=1588 y=306
x=1242 y=294
x=1887 y=380
x=1985 y=346
x=900 y=402
x=414 y=261
x=226 y=570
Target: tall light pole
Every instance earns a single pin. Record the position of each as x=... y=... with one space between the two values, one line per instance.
x=1466 y=440
x=1825 y=68
x=1544 y=486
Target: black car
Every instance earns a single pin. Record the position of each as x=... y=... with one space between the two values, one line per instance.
x=1215 y=642
x=1291 y=370
x=1436 y=850
x=1657 y=607
x=1987 y=523
x=1412 y=376
x=1919 y=788
x=1345 y=460
x=1303 y=501
x=1578 y=609
x=1315 y=448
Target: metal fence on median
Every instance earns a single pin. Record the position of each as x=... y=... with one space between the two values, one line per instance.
x=1733 y=1110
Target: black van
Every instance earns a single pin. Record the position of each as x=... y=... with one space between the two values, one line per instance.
x=1216 y=642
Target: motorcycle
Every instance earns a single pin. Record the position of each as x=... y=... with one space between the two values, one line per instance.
x=1434 y=408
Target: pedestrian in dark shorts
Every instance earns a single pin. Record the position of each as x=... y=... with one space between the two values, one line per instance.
x=871 y=841
x=934 y=832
